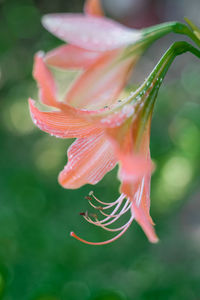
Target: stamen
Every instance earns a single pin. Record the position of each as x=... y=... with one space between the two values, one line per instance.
x=92 y=215
x=119 y=214
x=97 y=223
x=114 y=210
x=109 y=218
x=105 y=242
x=113 y=229
x=88 y=198
x=112 y=215
x=104 y=203
x=96 y=207
x=85 y=214
x=100 y=208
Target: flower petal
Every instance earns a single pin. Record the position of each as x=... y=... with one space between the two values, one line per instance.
x=146 y=225
x=88 y=32
x=102 y=83
x=139 y=194
x=45 y=81
x=89 y=159
x=133 y=167
x=71 y=57
x=93 y=7
x=140 y=209
x=63 y=124
x=133 y=155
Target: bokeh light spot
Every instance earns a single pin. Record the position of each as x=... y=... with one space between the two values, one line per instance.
x=16 y=118
x=49 y=153
x=185 y=134
x=177 y=173
x=171 y=185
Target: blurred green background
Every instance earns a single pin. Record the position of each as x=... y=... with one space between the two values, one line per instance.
x=38 y=258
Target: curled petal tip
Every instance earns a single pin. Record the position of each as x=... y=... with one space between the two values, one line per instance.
x=46 y=19
x=154 y=240
x=152 y=236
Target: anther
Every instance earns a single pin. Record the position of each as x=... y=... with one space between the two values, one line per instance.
x=88 y=198
x=93 y=215
x=85 y=214
x=99 y=207
x=91 y=193
x=82 y=214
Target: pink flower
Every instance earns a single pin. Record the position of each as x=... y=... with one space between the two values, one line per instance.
x=105 y=72
x=104 y=137
x=107 y=131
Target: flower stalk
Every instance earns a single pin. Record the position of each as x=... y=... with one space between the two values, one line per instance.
x=159 y=30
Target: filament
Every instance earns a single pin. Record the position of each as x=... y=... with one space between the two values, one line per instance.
x=104 y=203
x=120 y=199
x=140 y=193
x=105 y=227
x=104 y=242
x=109 y=219
x=123 y=211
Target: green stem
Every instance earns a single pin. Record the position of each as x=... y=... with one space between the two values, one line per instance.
x=183 y=29
x=149 y=89
x=174 y=50
x=160 y=30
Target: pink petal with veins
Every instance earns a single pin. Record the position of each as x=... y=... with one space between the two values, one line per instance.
x=63 y=124
x=139 y=194
x=88 y=32
x=89 y=159
x=143 y=220
x=102 y=83
x=71 y=57
x=133 y=167
x=44 y=78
